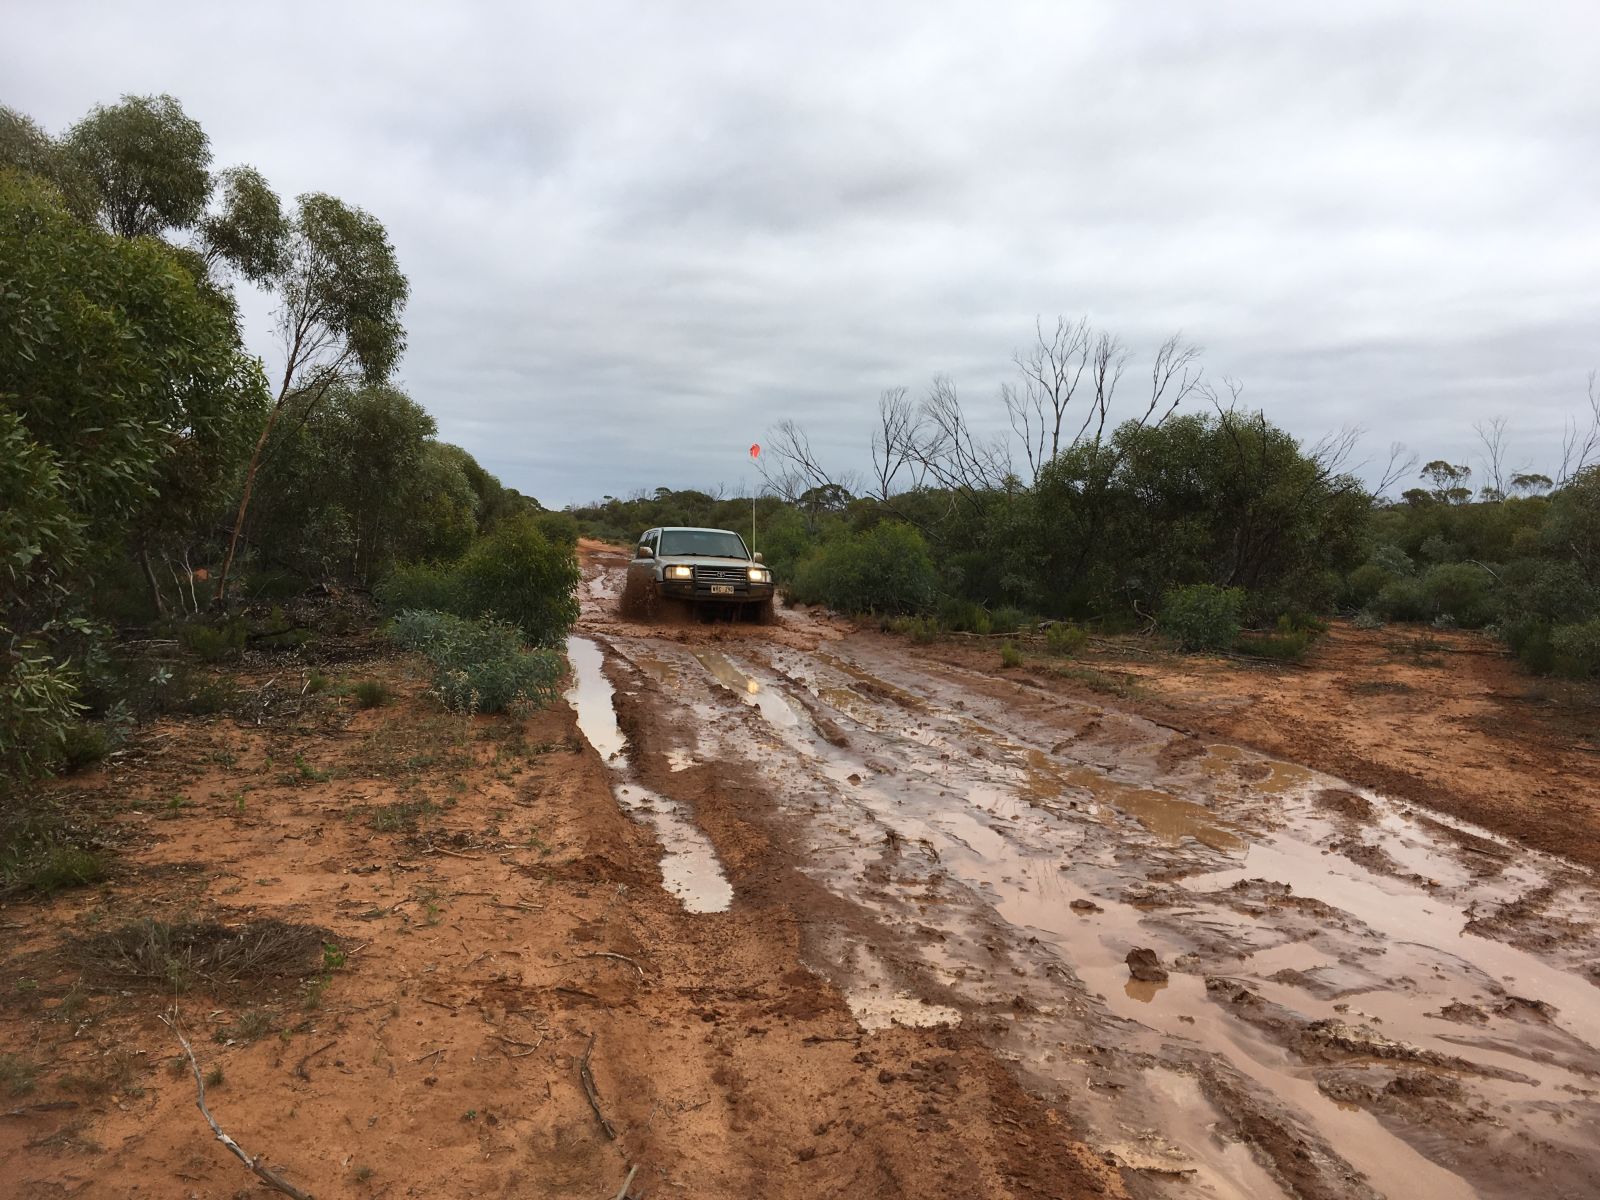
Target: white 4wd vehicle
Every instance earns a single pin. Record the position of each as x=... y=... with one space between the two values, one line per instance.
x=711 y=567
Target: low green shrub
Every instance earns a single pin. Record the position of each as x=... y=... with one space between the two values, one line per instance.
x=1461 y=591
x=1402 y=600
x=1065 y=639
x=214 y=641
x=1007 y=619
x=42 y=849
x=519 y=575
x=1576 y=649
x=962 y=616
x=1010 y=656
x=481 y=665
x=1289 y=647
x=921 y=630
x=1201 y=616
x=422 y=586
x=83 y=745
x=371 y=693
x=885 y=570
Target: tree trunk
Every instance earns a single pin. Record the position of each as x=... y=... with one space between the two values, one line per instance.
x=221 y=594
x=156 y=597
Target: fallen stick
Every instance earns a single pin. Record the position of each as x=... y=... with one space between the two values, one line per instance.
x=618 y=957
x=586 y=1077
x=454 y=853
x=253 y=1162
x=300 y=1067
x=527 y=1047
x=627 y=1183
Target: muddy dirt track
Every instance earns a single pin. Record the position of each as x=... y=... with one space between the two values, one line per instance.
x=802 y=911
x=1353 y=996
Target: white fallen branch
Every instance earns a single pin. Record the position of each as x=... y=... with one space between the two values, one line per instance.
x=254 y=1163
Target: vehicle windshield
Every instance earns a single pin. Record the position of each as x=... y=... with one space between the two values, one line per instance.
x=703 y=543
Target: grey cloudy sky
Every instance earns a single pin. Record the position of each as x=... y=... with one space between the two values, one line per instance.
x=640 y=234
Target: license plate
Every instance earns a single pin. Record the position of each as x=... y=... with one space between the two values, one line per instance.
x=722 y=589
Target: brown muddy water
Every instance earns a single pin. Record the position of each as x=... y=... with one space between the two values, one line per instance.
x=1360 y=999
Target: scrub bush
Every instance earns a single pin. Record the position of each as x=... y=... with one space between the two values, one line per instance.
x=1201 y=616
x=481 y=665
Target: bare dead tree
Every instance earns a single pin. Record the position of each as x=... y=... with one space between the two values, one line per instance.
x=891 y=444
x=1051 y=370
x=1333 y=451
x=950 y=453
x=1402 y=464
x=790 y=467
x=1492 y=436
x=1580 y=446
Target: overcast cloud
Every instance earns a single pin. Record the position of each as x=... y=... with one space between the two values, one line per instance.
x=640 y=234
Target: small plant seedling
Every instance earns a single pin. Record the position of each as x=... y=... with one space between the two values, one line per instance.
x=310 y=773
x=214 y=1077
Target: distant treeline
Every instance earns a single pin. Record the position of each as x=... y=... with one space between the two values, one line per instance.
x=1077 y=516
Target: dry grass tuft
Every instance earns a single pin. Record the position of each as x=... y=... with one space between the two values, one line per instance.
x=175 y=957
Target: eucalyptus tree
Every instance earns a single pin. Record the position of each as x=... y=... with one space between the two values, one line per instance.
x=341 y=292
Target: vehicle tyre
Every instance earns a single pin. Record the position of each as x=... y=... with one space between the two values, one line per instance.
x=761 y=612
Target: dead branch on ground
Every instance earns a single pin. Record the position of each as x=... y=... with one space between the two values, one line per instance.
x=586 y=1077
x=253 y=1162
x=618 y=957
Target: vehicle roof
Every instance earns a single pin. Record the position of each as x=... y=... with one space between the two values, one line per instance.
x=693 y=529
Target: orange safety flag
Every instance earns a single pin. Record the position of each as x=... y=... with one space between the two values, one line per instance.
x=755 y=451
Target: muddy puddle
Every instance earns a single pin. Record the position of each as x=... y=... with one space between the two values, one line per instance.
x=690 y=868
x=1340 y=1015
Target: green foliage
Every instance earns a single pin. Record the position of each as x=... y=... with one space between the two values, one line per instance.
x=249 y=228
x=104 y=335
x=149 y=163
x=342 y=283
x=1575 y=649
x=1064 y=639
x=886 y=569
x=360 y=482
x=1228 y=499
x=42 y=851
x=1007 y=619
x=372 y=693
x=1202 y=616
x=480 y=665
x=1010 y=656
x=515 y=573
x=420 y=585
x=83 y=744
x=921 y=630
x=1292 y=636
x=963 y=616
x=1460 y=592
x=215 y=641
x=1402 y=600
x=559 y=529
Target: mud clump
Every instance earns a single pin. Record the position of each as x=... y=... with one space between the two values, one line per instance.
x=1463 y=1013
x=1085 y=907
x=1345 y=803
x=1145 y=966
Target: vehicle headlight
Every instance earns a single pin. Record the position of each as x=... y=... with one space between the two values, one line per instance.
x=760 y=575
x=680 y=572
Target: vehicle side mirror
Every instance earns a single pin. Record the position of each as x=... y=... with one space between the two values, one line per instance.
x=646 y=552
x=757 y=556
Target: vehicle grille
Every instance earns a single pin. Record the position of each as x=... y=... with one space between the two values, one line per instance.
x=721 y=575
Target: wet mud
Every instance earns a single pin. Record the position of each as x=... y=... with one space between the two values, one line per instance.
x=1359 y=998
